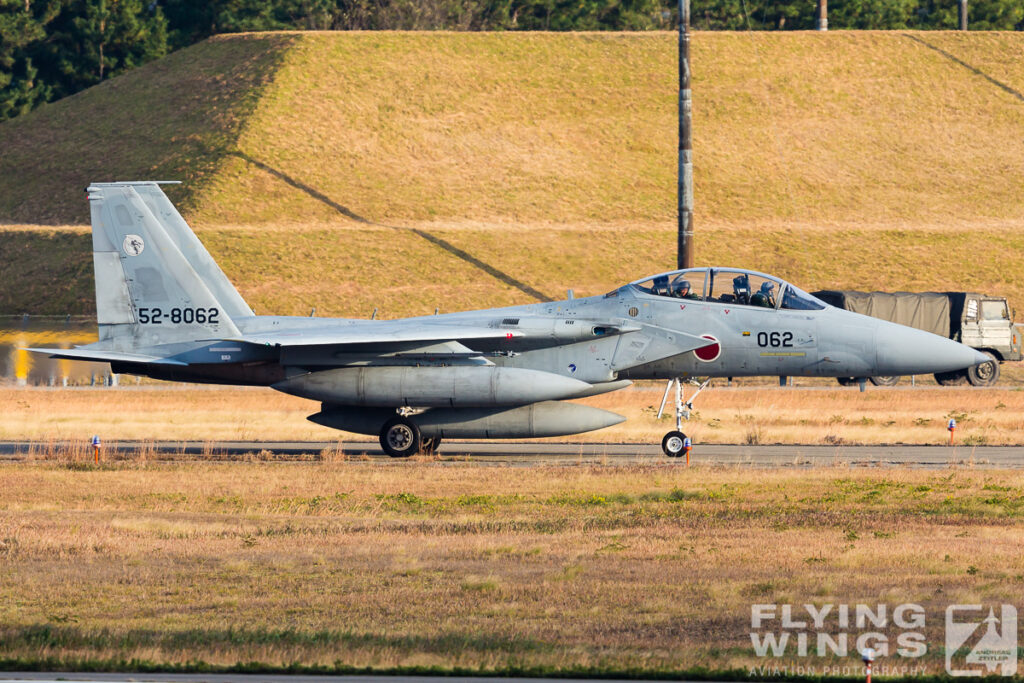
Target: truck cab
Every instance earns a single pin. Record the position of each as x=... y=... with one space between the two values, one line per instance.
x=985 y=323
x=982 y=322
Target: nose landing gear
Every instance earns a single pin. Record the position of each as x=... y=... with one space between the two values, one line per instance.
x=674 y=443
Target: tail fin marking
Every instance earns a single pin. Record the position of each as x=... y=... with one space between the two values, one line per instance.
x=193 y=250
x=146 y=289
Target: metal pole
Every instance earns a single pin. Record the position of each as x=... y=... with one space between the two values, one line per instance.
x=684 y=258
x=962 y=6
x=821 y=22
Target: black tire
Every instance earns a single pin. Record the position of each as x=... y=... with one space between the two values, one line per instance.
x=986 y=374
x=847 y=381
x=430 y=445
x=672 y=444
x=400 y=437
x=950 y=379
x=884 y=380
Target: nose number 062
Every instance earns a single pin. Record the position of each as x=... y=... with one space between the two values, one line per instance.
x=775 y=339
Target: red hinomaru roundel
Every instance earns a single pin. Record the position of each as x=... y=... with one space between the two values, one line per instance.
x=710 y=352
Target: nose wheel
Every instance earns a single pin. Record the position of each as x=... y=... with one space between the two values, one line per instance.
x=676 y=442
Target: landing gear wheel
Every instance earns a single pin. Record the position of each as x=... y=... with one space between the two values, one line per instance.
x=846 y=381
x=400 y=437
x=984 y=375
x=429 y=445
x=884 y=380
x=950 y=379
x=673 y=444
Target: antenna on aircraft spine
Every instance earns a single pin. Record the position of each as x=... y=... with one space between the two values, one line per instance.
x=685 y=233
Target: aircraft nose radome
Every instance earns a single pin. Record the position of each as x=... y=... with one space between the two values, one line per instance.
x=906 y=351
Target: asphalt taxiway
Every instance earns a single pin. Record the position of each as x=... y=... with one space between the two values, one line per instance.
x=525 y=454
x=61 y=677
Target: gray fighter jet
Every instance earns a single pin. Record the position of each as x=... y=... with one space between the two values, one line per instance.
x=166 y=310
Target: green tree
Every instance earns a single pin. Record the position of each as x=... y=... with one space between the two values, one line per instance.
x=995 y=15
x=195 y=20
x=586 y=15
x=20 y=88
x=871 y=14
x=92 y=40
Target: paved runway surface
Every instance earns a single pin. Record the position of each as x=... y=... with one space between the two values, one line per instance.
x=57 y=677
x=526 y=454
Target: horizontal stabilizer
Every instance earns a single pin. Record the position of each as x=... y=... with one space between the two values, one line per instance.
x=98 y=356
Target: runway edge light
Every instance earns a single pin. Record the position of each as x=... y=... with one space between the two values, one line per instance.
x=868 y=655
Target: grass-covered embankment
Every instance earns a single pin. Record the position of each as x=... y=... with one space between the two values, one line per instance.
x=349 y=270
x=536 y=162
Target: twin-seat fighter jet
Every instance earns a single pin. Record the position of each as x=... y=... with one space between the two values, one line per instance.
x=166 y=310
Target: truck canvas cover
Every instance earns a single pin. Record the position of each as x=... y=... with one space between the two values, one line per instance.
x=927 y=311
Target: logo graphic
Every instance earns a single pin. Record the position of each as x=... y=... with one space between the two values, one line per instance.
x=710 y=352
x=977 y=645
x=133 y=245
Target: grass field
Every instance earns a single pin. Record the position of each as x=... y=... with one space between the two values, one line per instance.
x=749 y=415
x=516 y=164
x=344 y=269
x=644 y=568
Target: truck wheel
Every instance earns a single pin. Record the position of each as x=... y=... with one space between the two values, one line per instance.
x=884 y=380
x=950 y=379
x=846 y=381
x=400 y=437
x=984 y=375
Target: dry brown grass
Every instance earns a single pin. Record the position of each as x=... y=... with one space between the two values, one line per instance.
x=747 y=414
x=348 y=269
x=852 y=125
x=847 y=125
x=651 y=567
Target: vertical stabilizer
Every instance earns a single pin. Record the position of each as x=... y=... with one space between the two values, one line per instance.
x=147 y=291
x=193 y=250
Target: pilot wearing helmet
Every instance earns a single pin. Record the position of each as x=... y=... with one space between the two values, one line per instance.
x=765 y=296
x=741 y=289
x=681 y=289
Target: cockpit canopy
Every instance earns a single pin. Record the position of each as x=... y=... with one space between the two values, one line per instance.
x=729 y=286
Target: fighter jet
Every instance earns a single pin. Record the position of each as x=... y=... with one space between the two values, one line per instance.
x=166 y=310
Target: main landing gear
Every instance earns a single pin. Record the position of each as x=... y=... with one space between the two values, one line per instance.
x=674 y=443
x=400 y=438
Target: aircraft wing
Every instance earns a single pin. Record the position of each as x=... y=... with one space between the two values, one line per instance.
x=98 y=356
x=420 y=330
x=397 y=332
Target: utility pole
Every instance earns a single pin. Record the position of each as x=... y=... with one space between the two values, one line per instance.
x=821 y=20
x=962 y=6
x=684 y=258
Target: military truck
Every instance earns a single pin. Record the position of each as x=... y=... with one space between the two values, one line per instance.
x=980 y=321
